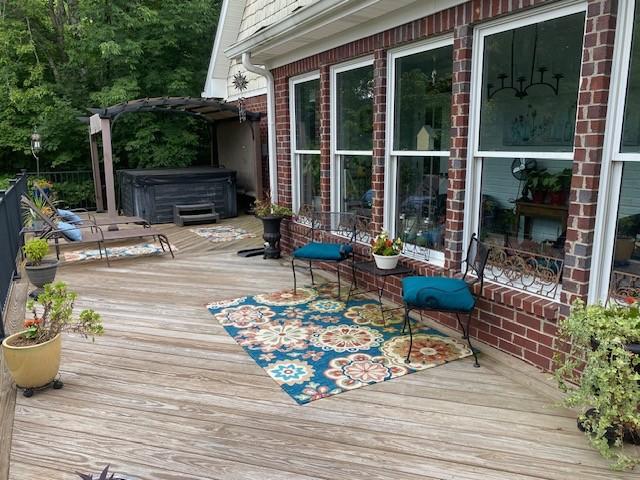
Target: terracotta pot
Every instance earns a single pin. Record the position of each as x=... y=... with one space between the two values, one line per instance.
x=624 y=249
x=386 y=262
x=538 y=197
x=32 y=366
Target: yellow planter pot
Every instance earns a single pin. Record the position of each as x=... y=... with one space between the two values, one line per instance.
x=35 y=365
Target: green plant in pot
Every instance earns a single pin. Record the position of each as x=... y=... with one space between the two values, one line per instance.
x=600 y=372
x=535 y=185
x=33 y=355
x=39 y=270
x=271 y=215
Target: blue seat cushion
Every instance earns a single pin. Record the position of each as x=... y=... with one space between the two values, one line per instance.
x=438 y=293
x=323 y=251
x=69 y=216
x=70 y=232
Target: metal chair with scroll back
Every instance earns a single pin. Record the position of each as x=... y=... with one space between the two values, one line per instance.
x=318 y=249
x=446 y=294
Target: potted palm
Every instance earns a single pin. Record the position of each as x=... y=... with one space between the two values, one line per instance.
x=386 y=251
x=39 y=270
x=271 y=215
x=33 y=355
x=600 y=371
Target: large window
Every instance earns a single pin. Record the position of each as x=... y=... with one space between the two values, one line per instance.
x=419 y=131
x=616 y=272
x=305 y=141
x=352 y=137
x=525 y=92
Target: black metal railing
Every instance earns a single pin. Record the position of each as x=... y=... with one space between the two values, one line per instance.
x=10 y=239
x=74 y=189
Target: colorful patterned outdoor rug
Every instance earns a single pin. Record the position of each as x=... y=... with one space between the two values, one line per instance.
x=115 y=252
x=315 y=346
x=222 y=233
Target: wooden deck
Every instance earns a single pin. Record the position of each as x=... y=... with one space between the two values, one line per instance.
x=166 y=394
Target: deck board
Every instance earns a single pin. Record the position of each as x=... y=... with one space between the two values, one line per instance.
x=166 y=394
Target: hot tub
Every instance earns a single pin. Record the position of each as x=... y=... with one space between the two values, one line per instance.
x=151 y=194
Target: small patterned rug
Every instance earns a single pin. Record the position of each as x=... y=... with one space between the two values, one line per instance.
x=222 y=233
x=142 y=249
x=315 y=346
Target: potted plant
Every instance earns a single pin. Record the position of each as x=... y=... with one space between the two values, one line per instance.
x=386 y=251
x=39 y=270
x=604 y=343
x=30 y=219
x=553 y=185
x=271 y=215
x=535 y=185
x=33 y=355
x=43 y=184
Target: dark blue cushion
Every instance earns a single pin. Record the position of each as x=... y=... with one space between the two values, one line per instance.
x=438 y=293
x=323 y=251
x=69 y=216
x=70 y=232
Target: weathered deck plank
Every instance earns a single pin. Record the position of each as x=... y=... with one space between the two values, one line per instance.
x=166 y=394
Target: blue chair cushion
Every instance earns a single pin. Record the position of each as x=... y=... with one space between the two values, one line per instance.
x=323 y=251
x=70 y=232
x=438 y=293
x=69 y=216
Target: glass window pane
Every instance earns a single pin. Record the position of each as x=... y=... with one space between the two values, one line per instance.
x=310 y=181
x=355 y=181
x=631 y=125
x=530 y=213
x=530 y=80
x=625 y=278
x=422 y=117
x=354 y=104
x=307 y=104
x=421 y=201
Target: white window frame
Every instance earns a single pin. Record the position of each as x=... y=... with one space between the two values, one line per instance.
x=391 y=154
x=474 y=155
x=336 y=155
x=613 y=160
x=296 y=167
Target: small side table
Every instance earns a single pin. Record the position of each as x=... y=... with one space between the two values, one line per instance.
x=380 y=279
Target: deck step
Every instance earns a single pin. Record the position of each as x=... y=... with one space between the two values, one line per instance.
x=206 y=214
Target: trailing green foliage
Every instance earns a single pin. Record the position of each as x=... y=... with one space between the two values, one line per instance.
x=60 y=57
x=265 y=208
x=597 y=337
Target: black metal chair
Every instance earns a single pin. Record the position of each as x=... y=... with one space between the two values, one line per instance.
x=317 y=249
x=446 y=294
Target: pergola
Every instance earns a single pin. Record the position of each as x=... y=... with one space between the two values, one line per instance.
x=101 y=120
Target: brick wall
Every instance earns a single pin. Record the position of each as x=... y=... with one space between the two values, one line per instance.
x=519 y=323
x=593 y=95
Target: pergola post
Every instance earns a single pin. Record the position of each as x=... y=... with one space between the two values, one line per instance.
x=94 y=128
x=107 y=157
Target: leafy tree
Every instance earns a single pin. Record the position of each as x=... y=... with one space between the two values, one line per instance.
x=60 y=57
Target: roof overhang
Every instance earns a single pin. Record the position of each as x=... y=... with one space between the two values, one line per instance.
x=328 y=24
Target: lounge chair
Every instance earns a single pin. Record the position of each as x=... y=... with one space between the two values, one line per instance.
x=58 y=214
x=95 y=234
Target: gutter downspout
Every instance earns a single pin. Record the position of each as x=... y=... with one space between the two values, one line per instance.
x=271 y=125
